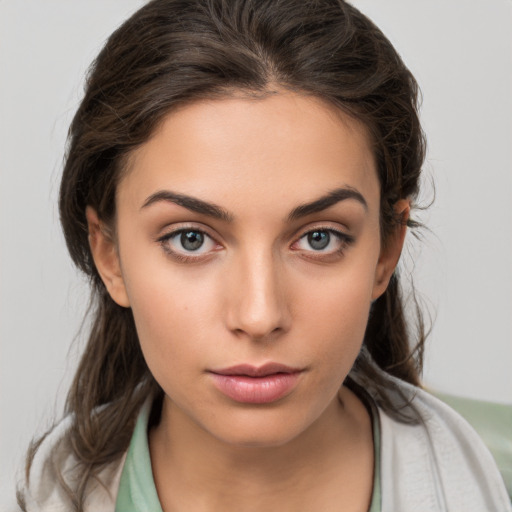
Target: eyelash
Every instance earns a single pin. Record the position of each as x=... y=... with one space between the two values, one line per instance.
x=344 y=240
x=183 y=258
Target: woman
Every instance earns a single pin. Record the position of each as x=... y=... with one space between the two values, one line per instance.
x=238 y=185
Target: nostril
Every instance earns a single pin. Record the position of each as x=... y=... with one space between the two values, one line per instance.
x=261 y=338
x=261 y=328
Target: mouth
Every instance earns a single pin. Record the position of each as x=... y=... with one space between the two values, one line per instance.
x=248 y=370
x=256 y=385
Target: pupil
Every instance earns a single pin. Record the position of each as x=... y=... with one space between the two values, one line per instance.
x=319 y=240
x=192 y=240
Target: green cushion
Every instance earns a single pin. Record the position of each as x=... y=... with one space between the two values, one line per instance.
x=493 y=422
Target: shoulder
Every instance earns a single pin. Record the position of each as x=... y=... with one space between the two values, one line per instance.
x=42 y=491
x=438 y=463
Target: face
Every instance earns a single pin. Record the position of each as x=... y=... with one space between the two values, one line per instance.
x=248 y=248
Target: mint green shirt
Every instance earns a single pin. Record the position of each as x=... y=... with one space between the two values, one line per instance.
x=137 y=491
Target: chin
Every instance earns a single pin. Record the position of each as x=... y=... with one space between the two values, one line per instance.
x=259 y=429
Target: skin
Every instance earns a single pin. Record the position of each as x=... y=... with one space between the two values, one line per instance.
x=256 y=291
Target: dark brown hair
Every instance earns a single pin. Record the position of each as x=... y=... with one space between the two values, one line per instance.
x=176 y=51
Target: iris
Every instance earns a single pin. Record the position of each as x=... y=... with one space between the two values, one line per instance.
x=191 y=240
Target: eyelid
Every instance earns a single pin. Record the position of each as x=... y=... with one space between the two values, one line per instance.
x=342 y=233
x=177 y=227
x=344 y=238
x=185 y=256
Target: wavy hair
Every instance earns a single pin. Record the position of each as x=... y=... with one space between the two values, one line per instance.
x=175 y=51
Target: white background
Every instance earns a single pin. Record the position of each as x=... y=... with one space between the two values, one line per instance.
x=459 y=50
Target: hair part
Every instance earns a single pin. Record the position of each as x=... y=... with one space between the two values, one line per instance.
x=173 y=52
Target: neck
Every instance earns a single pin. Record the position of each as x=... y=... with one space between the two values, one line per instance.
x=312 y=471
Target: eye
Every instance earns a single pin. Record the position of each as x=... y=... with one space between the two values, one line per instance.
x=191 y=240
x=318 y=240
x=323 y=241
x=187 y=244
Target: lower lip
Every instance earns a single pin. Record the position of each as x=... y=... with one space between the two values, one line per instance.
x=256 y=390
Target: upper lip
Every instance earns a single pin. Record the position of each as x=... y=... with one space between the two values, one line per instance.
x=249 y=370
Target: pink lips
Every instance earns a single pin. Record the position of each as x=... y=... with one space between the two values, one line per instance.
x=256 y=385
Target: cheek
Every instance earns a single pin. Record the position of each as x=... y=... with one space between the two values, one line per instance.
x=341 y=321
x=333 y=313
x=172 y=311
x=341 y=298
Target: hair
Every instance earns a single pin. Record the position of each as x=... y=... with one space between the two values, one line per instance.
x=172 y=52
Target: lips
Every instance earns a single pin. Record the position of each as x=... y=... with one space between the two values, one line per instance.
x=256 y=385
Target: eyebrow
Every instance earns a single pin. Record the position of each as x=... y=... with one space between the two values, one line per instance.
x=212 y=210
x=326 y=201
x=190 y=203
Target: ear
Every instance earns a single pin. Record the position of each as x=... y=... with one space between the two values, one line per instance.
x=106 y=258
x=390 y=252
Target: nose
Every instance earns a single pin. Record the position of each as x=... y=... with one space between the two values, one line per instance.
x=258 y=307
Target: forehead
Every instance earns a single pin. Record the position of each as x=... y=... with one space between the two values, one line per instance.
x=265 y=152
